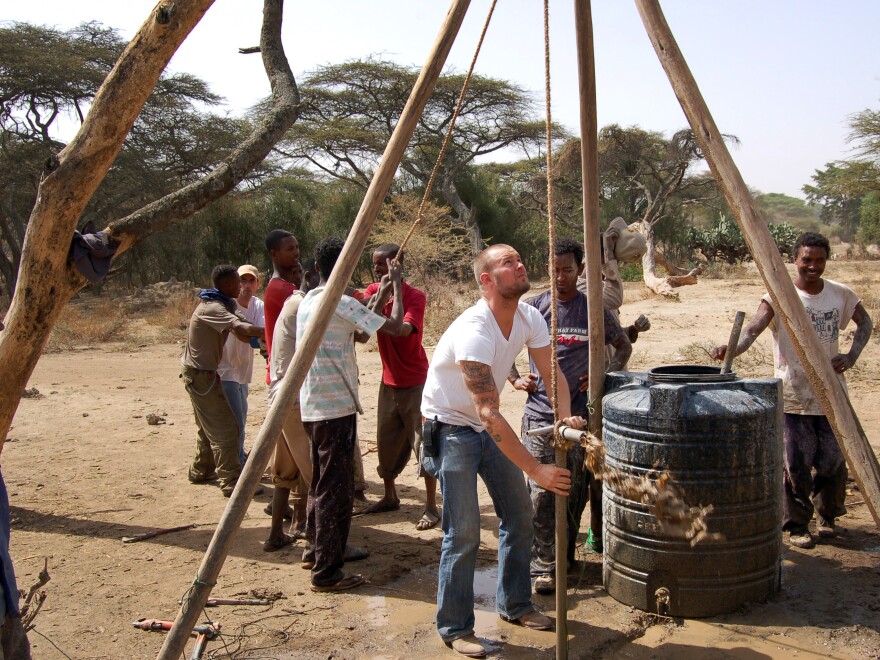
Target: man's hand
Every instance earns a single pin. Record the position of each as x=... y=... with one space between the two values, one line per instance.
x=575 y=422
x=526 y=383
x=549 y=477
x=584 y=383
x=842 y=362
x=719 y=352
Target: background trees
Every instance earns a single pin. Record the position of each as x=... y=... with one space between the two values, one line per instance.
x=351 y=109
x=49 y=78
x=848 y=191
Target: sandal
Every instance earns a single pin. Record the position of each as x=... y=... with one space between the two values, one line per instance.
x=428 y=520
x=273 y=545
x=347 y=582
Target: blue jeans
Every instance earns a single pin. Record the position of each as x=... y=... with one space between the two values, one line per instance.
x=462 y=455
x=237 y=394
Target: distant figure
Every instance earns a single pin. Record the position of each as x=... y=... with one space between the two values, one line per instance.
x=404 y=369
x=237 y=365
x=573 y=353
x=329 y=405
x=809 y=442
x=466 y=435
x=213 y=319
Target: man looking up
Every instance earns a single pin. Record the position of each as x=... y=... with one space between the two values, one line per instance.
x=213 y=319
x=573 y=353
x=329 y=403
x=404 y=369
x=471 y=437
x=808 y=441
x=236 y=368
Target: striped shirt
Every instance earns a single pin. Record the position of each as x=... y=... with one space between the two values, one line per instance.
x=331 y=385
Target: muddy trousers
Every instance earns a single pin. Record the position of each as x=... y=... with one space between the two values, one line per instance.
x=331 y=495
x=217 y=442
x=544 y=502
x=809 y=443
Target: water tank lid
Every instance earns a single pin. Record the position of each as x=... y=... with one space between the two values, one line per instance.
x=689 y=373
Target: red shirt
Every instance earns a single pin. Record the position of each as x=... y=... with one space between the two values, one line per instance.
x=404 y=363
x=277 y=291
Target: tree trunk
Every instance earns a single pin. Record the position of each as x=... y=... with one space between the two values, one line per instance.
x=663 y=286
x=466 y=215
x=46 y=281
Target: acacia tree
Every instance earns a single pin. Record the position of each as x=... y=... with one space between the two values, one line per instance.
x=70 y=178
x=350 y=110
x=848 y=191
x=172 y=142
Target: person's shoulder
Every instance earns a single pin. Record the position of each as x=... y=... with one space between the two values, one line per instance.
x=536 y=301
x=531 y=313
x=839 y=287
x=412 y=291
x=371 y=289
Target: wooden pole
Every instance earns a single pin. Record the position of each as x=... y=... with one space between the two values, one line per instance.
x=595 y=306
x=786 y=304
x=590 y=176
x=229 y=523
x=732 y=342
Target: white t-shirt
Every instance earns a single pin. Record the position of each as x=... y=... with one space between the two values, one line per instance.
x=237 y=363
x=829 y=311
x=475 y=337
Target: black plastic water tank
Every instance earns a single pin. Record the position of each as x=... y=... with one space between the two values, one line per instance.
x=720 y=437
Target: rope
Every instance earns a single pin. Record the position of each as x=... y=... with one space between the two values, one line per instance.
x=558 y=440
x=467 y=80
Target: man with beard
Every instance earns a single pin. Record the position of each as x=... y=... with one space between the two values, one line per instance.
x=466 y=435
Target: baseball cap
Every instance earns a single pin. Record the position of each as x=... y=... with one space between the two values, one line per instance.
x=247 y=269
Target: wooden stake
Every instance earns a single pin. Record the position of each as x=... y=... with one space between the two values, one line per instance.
x=786 y=303
x=264 y=445
x=733 y=341
x=595 y=306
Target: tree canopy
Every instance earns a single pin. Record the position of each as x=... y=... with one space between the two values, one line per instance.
x=350 y=110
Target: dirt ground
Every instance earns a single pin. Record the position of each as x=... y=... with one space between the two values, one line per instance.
x=84 y=469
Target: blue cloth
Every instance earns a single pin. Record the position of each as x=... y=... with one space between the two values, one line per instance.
x=92 y=254
x=463 y=454
x=237 y=394
x=214 y=294
x=9 y=602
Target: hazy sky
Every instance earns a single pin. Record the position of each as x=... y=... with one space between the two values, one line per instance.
x=781 y=75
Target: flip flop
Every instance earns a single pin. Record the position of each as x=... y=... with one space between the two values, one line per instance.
x=271 y=545
x=347 y=582
x=428 y=520
x=379 y=507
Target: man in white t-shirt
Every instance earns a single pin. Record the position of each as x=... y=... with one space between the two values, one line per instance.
x=808 y=439
x=467 y=436
x=236 y=367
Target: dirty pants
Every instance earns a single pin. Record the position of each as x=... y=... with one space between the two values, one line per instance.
x=809 y=443
x=398 y=428
x=544 y=502
x=217 y=442
x=292 y=462
x=331 y=495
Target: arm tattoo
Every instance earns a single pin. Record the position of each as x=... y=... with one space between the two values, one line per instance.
x=480 y=383
x=478 y=377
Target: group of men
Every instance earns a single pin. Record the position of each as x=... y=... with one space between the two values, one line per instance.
x=447 y=411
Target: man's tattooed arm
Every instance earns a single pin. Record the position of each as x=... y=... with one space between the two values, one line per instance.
x=480 y=383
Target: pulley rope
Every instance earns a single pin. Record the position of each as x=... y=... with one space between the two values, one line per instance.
x=558 y=440
x=430 y=185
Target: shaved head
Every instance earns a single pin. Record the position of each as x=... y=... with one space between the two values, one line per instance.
x=483 y=262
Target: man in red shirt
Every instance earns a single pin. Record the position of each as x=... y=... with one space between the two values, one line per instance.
x=404 y=370
x=284 y=252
